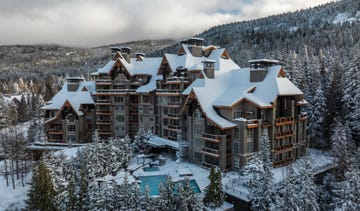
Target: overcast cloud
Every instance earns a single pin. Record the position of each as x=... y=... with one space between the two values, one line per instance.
x=99 y=22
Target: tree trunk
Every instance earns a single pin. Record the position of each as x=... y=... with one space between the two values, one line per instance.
x=12 y=174
x=17 y=168
x=6 y=173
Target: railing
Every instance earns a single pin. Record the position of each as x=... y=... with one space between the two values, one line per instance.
x=168 y=91
x=102 y=80
x=103 y=112
x=283 y=121
x=252 y=123
x=266 y=123
x=229 y=188
x=212 y=137
x=55 y=131
x=283 y=162
x=115 y=90
x=174 y=103
x=208 y=165
x=174 y=127
x=214 y=152
x=284 y=147
x=103 y=101
x=303 y=117
x=284 y=134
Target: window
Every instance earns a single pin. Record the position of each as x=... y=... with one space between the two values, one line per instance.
x=197 y=129
x=236 y=133
x=141 y=110
x=120 y=109
x=120 y=128
x=70 y=118
x=151 y=109
x=71 y=128
x=198 y=114
x=237 y=114
x=118 y=99
x=250 y=133
x=236 y=162
x=151 y=119
x=250 y=147
x=71 y=139
x=236 y=148
x=120 y=118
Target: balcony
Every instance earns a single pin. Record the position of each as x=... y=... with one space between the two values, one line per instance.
x=284 y=134
x=103 y=81
x=104 y=132
x=252 y=123
x=172 y=116
x=103 y=112
x=266 y=123
x=103 y=122
x=283 y=148
x=57 y=131
x=102 y=102
x=213 y=138
x=211 y=152
x=171 y=92
x=302 y=117
x=176 y=80
x=283 y=162
x=208 y=165
x=284 y=121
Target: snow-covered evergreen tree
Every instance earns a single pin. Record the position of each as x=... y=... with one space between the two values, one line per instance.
x=316 y=118
x=140 y=140
x=342 y=147
x=348 y=192
x=166 y=199
x=214 y=194
x=260 y=177
x=187 y=199
x=41 y=195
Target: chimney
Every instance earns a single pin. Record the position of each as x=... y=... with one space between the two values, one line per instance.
x=126 y=53
x=73 y=83
x=209 y=68
x=259 y=68
x=139 y=56
x=195 y=45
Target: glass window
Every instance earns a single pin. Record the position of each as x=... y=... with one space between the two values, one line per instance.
x=197 y=129
x=237 y=114
x=250 y=147
x=236 y=162
x=250 y=133
x=120 y=118
x=119 y=99
x=236 y=148
x=71 y=128
x=236 y=133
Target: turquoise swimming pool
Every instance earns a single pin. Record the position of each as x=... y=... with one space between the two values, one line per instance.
x=154 y=181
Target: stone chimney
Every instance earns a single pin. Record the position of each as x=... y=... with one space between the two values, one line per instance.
x=73 y=83
x=195 y=45
x=126 y=53
x=209 y=68
x=259 y=68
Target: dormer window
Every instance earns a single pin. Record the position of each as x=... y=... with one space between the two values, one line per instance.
x=70 y=118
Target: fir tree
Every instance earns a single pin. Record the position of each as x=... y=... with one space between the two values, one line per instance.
x=42 y=194
x=214 y=194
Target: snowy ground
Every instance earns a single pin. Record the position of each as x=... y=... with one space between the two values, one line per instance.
x=320 y=162
x=13 y=199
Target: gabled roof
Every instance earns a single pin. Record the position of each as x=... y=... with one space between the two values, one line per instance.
x=233 y=86
x=191 y=62
x=75 y=98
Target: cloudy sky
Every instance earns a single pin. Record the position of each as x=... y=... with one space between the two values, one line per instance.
x=99 y=22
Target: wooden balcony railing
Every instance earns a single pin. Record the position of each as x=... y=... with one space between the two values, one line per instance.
x=284 y=121
x=211 y=152
x=212 y=137
x=302 y=117
x=282 y=162
x=284 y=147
x=284 y=134
x=252 y=123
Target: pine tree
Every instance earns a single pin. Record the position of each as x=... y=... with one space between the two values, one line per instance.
x=307 y=190
x=166 y=200
x=342 y=147
x=42 y=194
x=316 y=119
x=260 y=177
x=187 y=199
x=214 y=194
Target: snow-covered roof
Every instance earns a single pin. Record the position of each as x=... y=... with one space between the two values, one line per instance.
x=162 y=142
x=191 y=62
x=233 y=86
x=76 y=98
